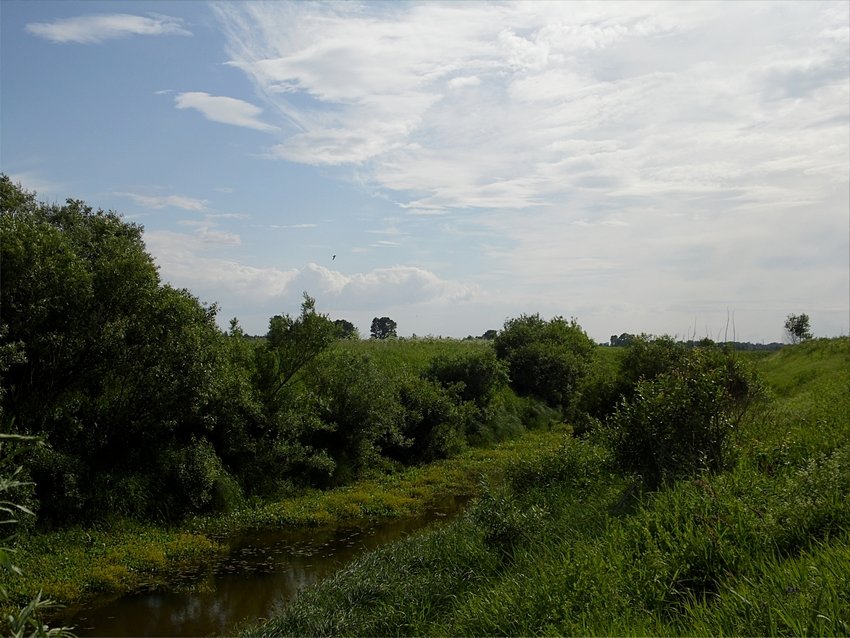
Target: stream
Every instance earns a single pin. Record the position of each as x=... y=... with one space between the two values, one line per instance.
x=264 y=569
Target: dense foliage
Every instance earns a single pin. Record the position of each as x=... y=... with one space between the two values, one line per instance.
x=545 y=359
x=147 y=409
x=680 y=413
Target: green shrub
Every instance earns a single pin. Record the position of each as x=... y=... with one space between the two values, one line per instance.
x=679 y=422
x=434 y=422
x=505 y=523
x=647 y=357
x=358 y=405
x=474 y=376
x=196 y=480
x=545 y=359
x=600 y=388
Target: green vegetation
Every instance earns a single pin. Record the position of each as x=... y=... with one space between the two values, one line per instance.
x=688 y=495
x=148 y=411
x=569 y=544
x=798 y=328
x=26 y=619
x=73 y=564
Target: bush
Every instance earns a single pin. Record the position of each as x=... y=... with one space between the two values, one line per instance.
x=679 y=422
x=433 y=421
x=545 y=359
x=473 y=376
x=113 y=369
x=197 y=480
x=646 y=358
x=358 y=405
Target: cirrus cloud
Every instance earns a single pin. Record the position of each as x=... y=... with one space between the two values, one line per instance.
x=94 y=29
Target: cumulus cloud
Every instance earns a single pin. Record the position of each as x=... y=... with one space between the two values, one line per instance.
x=381 y=287
x=183 y=260
x=187 y=258
x=226 y=110
x=94 y=29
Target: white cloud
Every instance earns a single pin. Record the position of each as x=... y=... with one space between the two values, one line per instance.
x=167 y=201
x=185 y=259
x=287 y=226
x=382 y=287
x=182 y=261
x=464 y=81
x=34 y=181
x=383 y=87
x=638 y=157
x=94 y=29
x=226 y=110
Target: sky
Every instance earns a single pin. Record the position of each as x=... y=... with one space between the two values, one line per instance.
x=676 y=168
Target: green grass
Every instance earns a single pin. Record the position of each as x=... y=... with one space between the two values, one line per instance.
x=410 y=354
x=70 y=565
x=565 y=546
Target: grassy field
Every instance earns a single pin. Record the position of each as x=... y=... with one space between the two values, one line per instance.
x=410 y=354
x=564 y=545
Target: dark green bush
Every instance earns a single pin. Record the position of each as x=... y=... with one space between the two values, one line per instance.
x=473 y=376
x=113 y=369
x=358 y=404
x=679 y=422
x=647 y=357
x=433 y=420
x=545 y=359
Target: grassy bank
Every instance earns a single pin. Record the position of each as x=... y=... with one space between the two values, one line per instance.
x=72 y=565
x=565 y=545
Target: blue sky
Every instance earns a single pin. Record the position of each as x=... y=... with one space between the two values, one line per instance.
x=643 y=167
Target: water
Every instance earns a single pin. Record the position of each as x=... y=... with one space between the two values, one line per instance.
x=263 y=570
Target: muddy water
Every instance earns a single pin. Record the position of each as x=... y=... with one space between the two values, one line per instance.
x=263 y=570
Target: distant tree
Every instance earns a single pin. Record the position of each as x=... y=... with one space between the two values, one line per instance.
x=623 y=340
x=346 y=329
x=383 y=327
x=798 y=328
x=489 y=335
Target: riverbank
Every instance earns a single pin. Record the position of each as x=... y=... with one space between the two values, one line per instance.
x=77 y=564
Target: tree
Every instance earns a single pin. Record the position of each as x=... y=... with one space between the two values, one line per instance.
x=545 y=359
x=112 y=369
x=383 y=327
x=798 y=328
x=346 y=329
x=623 y=340
x=489 y=335
x=291 y=343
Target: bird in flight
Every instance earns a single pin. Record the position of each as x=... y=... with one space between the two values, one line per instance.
x=334 y=257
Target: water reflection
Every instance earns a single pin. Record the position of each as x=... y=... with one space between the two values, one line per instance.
x=263 y=570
